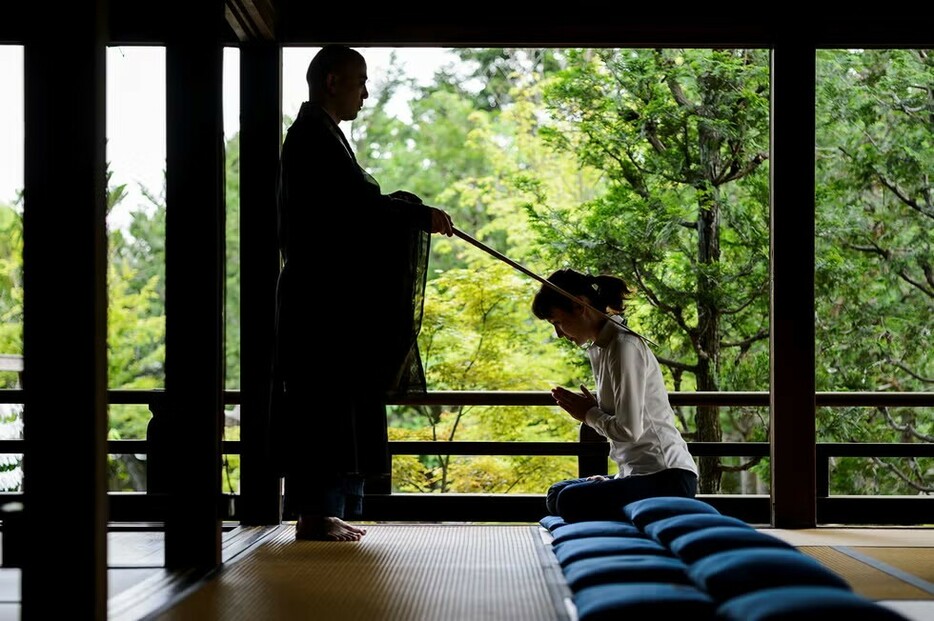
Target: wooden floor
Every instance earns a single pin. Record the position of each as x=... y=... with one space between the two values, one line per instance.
x=431 y=571
x=137 y=581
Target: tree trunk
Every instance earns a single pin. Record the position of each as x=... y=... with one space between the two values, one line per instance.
x=707 y=336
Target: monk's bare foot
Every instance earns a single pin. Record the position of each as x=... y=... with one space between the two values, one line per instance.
x=327 y=529
x=356 y=529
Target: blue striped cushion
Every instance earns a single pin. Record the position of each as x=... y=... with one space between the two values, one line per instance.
x=552 y=522
x=596 y=528
x=692 y=547
x=804 y=603
x=588 y=547
x=726 y=575
x=667 y=530
x=644 y=512
x=654 y=600
x=624 y=569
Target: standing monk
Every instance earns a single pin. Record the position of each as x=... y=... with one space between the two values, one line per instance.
x=346 y=338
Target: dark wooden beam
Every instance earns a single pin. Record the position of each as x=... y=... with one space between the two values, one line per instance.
x=148 y=511
x=792 y=365
x=189 y=443
x=251 y=20
x=874 y=29
x=302 y=23
x=155 y=23
x=260 y=137
x=875 y=510
x=14 y=17
x=65 y=309
x=297 y=22
x=517 y=507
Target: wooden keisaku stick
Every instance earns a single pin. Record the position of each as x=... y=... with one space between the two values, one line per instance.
x=467 y=238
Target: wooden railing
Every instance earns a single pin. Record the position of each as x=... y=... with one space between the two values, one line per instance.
x=592 y=459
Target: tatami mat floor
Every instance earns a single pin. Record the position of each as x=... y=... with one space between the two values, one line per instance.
x=404 y=572
x=894 y=566
x=467 y=572
x=439 y=572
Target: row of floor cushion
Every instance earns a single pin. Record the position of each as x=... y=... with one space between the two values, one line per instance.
x=681 y=555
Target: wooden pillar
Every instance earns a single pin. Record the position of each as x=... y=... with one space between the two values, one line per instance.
x=195 y=216
x=65 y=311
x=589 y=465
x=792 y=383
x=260 y=140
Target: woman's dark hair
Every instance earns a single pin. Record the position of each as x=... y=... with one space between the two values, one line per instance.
x=329 y=59
x=604 y=292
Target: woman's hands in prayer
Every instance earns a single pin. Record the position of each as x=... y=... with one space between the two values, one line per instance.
x=575 y=404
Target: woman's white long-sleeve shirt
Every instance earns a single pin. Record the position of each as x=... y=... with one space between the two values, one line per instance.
x=633 y=411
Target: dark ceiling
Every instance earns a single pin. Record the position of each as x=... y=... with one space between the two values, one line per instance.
x=300 y=22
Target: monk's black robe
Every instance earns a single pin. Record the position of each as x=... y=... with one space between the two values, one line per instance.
x=349 y=304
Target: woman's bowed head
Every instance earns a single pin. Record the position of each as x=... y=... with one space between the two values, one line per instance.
x=576 y=321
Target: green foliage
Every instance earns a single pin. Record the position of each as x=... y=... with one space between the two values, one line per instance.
x=874 y=281
x=477 y=331
x=681 y=137
x=876 y=228
x=652 y=164
x=11 y=334
x=11 y=287
x=495 y=72
x=232 y=262
x=678 y=134
x=135 y=330
x=478 y=334
x=135 y=326
x=438 y=157
x=648 y=164
x=877 y=476
x=230 y=468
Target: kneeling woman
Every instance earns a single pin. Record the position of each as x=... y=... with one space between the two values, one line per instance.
x=630 y=406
